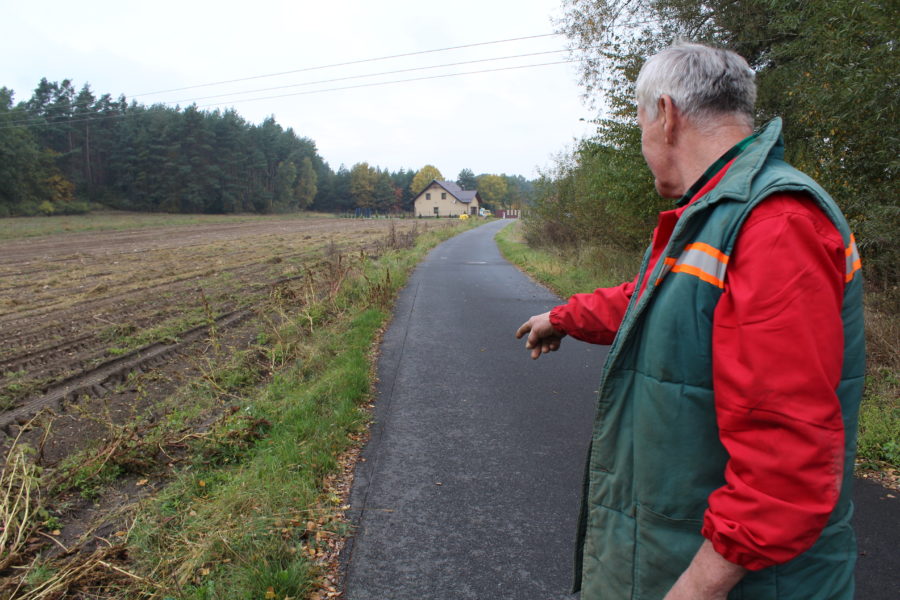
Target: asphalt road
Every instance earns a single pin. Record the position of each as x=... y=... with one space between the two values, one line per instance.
x=469 y=485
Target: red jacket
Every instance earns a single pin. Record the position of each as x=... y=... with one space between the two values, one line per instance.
x=780 y=489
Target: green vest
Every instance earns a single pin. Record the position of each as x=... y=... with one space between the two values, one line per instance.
x=655 y=455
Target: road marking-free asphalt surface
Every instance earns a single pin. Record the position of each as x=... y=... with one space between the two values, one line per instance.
x=470 y=483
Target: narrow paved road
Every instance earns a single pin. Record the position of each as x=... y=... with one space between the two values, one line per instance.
x=471 y=479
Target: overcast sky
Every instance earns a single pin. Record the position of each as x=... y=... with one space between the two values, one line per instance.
x=505 y=121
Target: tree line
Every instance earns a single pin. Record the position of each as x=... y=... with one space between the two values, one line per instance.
x=66 y=151
x=829 y=69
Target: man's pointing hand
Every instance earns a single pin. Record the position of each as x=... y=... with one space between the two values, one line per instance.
x=542 y=337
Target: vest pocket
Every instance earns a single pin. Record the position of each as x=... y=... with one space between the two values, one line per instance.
x=664 y=549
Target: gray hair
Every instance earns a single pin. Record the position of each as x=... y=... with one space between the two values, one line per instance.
x=703 y=82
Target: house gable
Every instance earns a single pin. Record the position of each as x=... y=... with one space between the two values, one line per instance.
x=446 y=199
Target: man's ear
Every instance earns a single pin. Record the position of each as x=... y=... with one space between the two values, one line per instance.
x=669 y=114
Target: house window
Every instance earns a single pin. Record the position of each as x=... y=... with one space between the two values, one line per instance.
x=436 y=210
x=427 y=196
x=443 y=195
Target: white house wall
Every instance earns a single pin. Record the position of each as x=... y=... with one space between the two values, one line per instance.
x=447 y=204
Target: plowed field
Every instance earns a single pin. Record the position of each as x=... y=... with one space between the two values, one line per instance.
x=79 y=312
x=98 y=330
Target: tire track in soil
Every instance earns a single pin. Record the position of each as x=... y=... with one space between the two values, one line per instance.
x=94 y=383
x=71 y=356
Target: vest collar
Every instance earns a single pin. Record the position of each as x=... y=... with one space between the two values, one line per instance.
x=768 y=143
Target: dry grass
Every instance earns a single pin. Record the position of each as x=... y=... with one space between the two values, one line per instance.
x=96 y=575
x=879 y=419
x=20 y=499
x=882 y=334
x=19 y=505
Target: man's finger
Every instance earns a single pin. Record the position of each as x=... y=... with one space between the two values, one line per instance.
x=525 y=328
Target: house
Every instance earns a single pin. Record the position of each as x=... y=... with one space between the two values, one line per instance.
x=446 y=199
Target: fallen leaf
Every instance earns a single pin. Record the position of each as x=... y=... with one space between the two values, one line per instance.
x=270 y=593
x=142 y=482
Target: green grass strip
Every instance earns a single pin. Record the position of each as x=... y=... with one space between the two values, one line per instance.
x=568 y=271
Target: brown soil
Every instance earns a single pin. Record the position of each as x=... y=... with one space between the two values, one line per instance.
x=98 y=330
x=73 y=306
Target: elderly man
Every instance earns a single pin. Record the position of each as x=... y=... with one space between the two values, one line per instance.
x=723 y=446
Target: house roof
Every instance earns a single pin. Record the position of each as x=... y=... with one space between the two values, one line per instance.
x=457 y=192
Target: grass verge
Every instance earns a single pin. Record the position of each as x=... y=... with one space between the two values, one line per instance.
x=569 y=271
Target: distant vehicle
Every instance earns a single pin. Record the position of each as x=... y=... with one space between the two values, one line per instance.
x=484 y=212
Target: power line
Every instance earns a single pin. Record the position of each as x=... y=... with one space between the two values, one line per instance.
x=41 y=120
x=306 y=83
x=68 y=122
x=380 y=83
x=344 y=64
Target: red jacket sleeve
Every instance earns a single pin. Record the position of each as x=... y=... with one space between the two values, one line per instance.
x=778 y=352
x=594 y=317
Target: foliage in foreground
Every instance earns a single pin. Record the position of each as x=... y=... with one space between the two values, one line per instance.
x=570 y=270
x=830 y=70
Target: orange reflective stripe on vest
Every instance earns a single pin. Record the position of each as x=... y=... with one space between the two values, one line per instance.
x=700 y=260
x=854 y=263
x=709 y=264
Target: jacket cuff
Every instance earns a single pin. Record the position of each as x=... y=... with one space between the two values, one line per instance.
x=721 y=534
x=557 y=318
